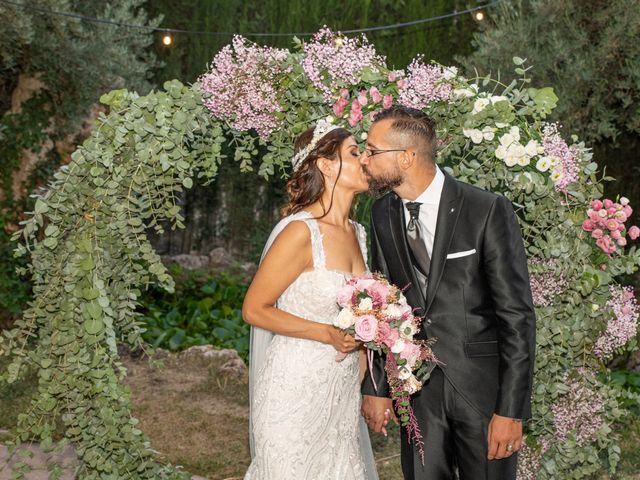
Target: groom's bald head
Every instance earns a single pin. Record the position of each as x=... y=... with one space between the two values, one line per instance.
x=410 y=128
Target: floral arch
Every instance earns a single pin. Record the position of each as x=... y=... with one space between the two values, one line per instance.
x=89 y=255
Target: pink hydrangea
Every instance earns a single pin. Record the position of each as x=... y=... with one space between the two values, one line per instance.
x=623 y=324
x=547 y=281
x=242 y=85
x=424 y=84
x=331 y=61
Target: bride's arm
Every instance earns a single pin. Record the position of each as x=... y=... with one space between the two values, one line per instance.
x=287 y=258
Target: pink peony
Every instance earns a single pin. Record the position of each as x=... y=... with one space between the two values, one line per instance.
x=411 y=353
x=355 y=117
x=345 y=296
x=375 y=95
x=387 y=101
x=339 y=106
x=607 y=203
x=596 y=205
x=634 y=232
x=366 y=327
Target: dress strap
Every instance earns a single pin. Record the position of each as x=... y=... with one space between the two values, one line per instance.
x=317 y=249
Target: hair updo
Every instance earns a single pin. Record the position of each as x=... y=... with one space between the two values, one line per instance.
x=306 y=184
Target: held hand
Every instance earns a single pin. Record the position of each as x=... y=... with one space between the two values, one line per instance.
x=377 y=411
x=341 y=341
x=504 y=437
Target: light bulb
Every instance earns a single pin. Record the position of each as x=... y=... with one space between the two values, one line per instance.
x=167 y=40
x=479 y=16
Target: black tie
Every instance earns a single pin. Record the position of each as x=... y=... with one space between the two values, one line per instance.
x=416 y=240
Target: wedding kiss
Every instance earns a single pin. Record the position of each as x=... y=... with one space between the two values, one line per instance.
x=457 y=249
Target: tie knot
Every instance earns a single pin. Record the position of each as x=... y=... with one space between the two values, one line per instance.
x=414 y=209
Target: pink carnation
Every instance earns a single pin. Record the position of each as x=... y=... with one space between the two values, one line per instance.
x=366 y=327
x=339 y=106
x=387 y=101
x=375 y=95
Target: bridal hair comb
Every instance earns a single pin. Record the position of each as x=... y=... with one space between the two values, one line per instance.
x=321 y=129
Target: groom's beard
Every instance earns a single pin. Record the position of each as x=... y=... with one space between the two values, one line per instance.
x=379 y=185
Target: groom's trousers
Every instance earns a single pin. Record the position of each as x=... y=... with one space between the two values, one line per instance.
x=455 y=438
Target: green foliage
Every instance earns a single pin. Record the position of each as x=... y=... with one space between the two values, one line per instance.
x=203 y=309
x=592 y=61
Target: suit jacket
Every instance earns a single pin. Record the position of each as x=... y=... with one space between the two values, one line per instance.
x=478 y=301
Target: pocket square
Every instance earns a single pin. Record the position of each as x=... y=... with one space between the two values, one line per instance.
x=461 y=254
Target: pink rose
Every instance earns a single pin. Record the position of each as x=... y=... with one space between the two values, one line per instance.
x=339 y=106
x=366 y=327
x=387 y=335
x=588 y=225
x=611 y=210
x=616 y=234
x=596 y=205
x=597 y=233
x=612 y=224
x=621 y=216
x=602 y=213
x=402 y=83
x=387 y=101
x=627 y=210
x=362 y=97
x=607 y=203
x=372 y=115
x=634 y=232
x=593 y=215
x=354 y=117
x=622 y=241
x=375 y=95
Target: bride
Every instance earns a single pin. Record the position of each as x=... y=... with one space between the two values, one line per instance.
x=305 y=418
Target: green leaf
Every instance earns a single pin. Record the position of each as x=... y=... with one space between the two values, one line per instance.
x=93 y=326
x=187 y=182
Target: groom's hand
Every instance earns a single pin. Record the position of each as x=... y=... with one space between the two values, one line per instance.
x=377 y=411
x=504 y=437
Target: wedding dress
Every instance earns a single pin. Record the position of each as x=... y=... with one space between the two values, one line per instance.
x=305 y=417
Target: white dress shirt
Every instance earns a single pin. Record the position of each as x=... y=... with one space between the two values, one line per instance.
x=430 y=200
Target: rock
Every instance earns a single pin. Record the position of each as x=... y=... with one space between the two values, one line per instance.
x=234 y=367
x=220 y=259
x=191 y=262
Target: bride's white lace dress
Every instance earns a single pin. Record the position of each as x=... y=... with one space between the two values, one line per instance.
x=306 y=406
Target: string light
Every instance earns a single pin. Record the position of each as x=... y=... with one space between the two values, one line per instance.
x=166 y=31
x=167 y=40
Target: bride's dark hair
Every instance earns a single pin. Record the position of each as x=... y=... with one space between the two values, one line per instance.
x=306 y=185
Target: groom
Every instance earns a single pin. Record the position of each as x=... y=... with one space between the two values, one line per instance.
x=460 y=249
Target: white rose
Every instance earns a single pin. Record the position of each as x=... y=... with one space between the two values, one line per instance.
x=531 y=148
x=363 y=136
x=498 y=98
x=473 y=133
x=524 y=161
x=365 y=304
x=501 y=125
x=517 y=150
x=398 y=346
x=480 y=104
x=488 y=133
x=501 y=152
x=345 y=319
x=506 y=140
x=404 y=373
x=393 y=311
x=543 y=164
x=449 y=72
x=515 y=133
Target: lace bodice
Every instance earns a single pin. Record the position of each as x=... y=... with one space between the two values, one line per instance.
x=305 y=410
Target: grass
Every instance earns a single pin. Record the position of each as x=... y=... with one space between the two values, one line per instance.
x=196 y=417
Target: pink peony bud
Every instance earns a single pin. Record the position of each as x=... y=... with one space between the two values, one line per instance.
x=375 y=95
x=596 y=205
x=634 y=232
x=387 y=101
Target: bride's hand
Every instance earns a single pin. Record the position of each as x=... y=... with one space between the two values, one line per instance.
x=341 y=341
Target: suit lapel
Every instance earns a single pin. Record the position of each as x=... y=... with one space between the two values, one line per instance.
x=399 y=234
x=448 y=212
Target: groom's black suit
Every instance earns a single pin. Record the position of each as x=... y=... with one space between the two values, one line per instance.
x=478 y=305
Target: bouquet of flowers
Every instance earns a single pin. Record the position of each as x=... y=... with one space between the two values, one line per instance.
x=377 y=313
